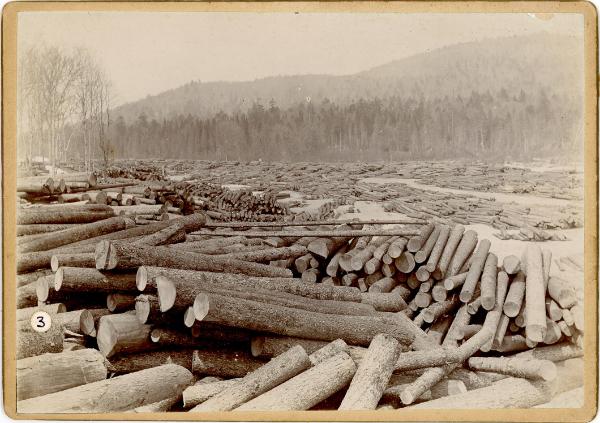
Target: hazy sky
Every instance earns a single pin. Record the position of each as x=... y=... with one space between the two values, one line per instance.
x=146 y=53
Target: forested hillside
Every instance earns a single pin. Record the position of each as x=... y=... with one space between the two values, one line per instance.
x=513 y=97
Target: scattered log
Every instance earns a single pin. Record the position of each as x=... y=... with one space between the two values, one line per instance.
x=477 y=266
x=202 y=391
x=561 y=292
x=511 y=264
x=34 y=229
x=226 y=363
x=31 y=343
x=415 y=243
x=80 y=279
x=72 y=260
x=48 y=373
x=515 y=296
x=75 y=214
x=135 y=362
x=438 y=248
x=423 y=253
x=516 y=367
x=122 y=333
x=489 y=281
x=463 y=251
x=535 y=293
x=449 y=249
x=115 y=394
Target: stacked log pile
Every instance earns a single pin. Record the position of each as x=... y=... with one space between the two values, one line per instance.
x=295 y=317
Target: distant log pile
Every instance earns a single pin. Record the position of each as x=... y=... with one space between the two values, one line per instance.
x=283 y=317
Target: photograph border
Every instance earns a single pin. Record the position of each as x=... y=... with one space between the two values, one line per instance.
x=9 y=160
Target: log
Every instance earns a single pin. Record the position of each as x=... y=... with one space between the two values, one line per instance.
x=88 y=320
x=423 y=253
x=316 y=234
x=453 y=240
x=492 y=319
x=561 y=292
x=77 y=233
x=396 y=248
x=516 y=367
x=464 y=249
x=34 y=229
x=225 y=363
x=405 y=263
x=268 y=254
x=511 y=264
x=110 y=255
x=477 y=266
x=48 y=373
x=489 y=281
x=27 y=294
x=310 y=276
x=158 y=406
x=80 y=279
x=553 y=310
x=272 y=346
x=263 y=379
x=383 y=285
x=557 y=352
x=64 y=214
x=26 y=313
x=135 y=362
x=122 y=333
x=306 y=390
x=325 y=247
x=31 y=343
x=438 y=248
x=177 y=338
x=333 y=265
x=391 y=302
x=535 y=294
x=219 y=333
x=438 y=309
x=415 y=243
x=170 y=235
x=358 y=330
x=146 y=275
x=515 y=296
x=546 y=264
x=115 y=394
x=119 y=303
x=202 y=391
x=70 y=320
x=72 y=260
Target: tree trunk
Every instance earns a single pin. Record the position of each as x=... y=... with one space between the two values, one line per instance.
x=48 y=373
x=122 y=333
x=119 y=302
x=423 y=253
x=516 y=295
x=438 y=248
x=263 y=379
x=453 y=240
x=535 y=294
x=372 y=375
x=200 y=392
x=488 y=282
x=115 y=394
x=474 y=273
x=226 y=363
x=31 y=343
x=86 y=260
x=415 y=243
x=266 y=255
x=65 y=214
x=79 y=279
x=129 y=363
x=36 y=229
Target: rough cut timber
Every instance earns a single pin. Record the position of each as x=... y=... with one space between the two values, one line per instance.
x=116 y=394
x=48 y=373
x=72 y=260
x=415 y=243
x=308 y=388
x=516 y=367
x=423 y=253
x=110 y=255
x=263 y=379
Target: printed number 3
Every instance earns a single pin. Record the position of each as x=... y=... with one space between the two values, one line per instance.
x=41 y=321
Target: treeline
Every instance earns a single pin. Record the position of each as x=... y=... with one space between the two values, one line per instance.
x=482 y=125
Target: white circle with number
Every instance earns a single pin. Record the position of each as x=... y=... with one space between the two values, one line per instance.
x=41 y=321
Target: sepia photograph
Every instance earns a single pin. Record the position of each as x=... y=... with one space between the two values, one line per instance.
x=298 y=208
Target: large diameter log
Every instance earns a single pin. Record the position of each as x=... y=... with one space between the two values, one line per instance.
x=115 y=394
x=438 y=248
x=200 y=392
x=515 y=296
x=75 y=214
x=77 y=233
x=129 y=363
x=306 y=390
x=488 y=282
x=118 y=333
x=31 y=343
x=477 y=265
x=226 y=363
x=463 y=251
x=358 y=330
x=147 y=275
x=111 y=255
x=275 y=372
x=325 y=247
x=48 y=373
x=453 y=240
x=535 y=294
x=79 y=279
x=372 y=375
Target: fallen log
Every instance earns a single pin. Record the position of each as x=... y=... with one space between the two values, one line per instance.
x=438 y=248
x=477 y=266
x=31 y=343
x=122 y=333
x=226 y=363
x=515 y=296
x=48 y=373
x=453 y=240
x=135 y=362
x=61 y=215
x=202 y=391
x=489 y=281
x=115 y=394
x=535 y=294
x=516 y=367
x=79 y=279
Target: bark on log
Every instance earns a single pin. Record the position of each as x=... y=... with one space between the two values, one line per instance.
x=358 y=330
x=325 y=247
x=263 y=379
x=316 y=234
x=272 y=346
x=422 y=255
x=126 y=256
x=464 y=249
x=88 y=320
x=516 y=367
x=266 y=255
x=391 y=302
x=122 y=333
x=415 y=243
x=396 y=248
x=372 y=375
x=556 y=352
x=34 y=229
x=439 y=309
x=115 y=394
x=119 y=303
x=200 y=392
x=67 y=236
x=226 y=363
x=405 y=263
x=333 y=265
x=72 y=260
x=453 y=239
x=66 y=214
x=383 y=285
x=477 y=266
x=489 y=281
x=27 y=294
x=535 y=293
x=26 y=313
x=438 y=248
x=80 y=279
x=48 y=373
x=308 y=388
x=146 y=276
x=30 y=343
x=515 y=296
